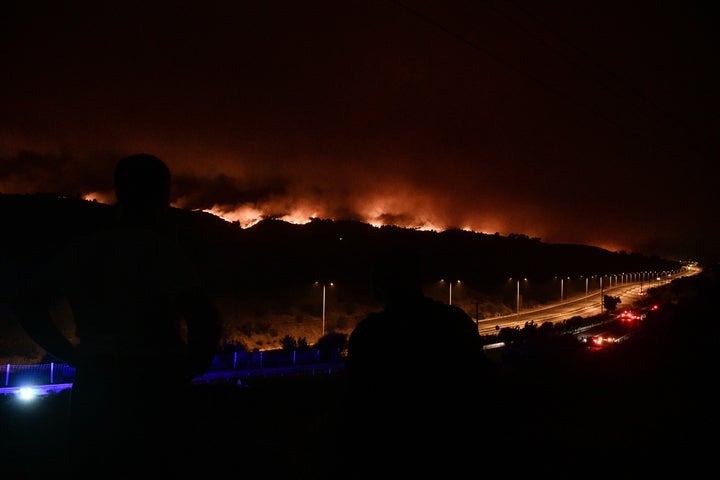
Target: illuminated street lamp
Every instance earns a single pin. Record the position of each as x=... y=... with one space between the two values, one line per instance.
x=517 y=298
x=324 y=285
x=450 y=283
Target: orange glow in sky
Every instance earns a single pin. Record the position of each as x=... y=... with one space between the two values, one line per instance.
x=563 y=121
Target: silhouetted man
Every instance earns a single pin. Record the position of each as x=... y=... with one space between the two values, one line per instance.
x=143 y=328
x=415 y=375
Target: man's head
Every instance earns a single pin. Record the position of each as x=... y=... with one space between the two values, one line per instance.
x=397 y=275
x=142 y=183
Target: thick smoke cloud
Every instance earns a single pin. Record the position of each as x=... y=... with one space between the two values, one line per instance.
x=573 y=122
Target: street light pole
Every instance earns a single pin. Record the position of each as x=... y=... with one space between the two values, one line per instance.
x=517 y=302
x=450 y=284
x=324 y=287
x=323 y=313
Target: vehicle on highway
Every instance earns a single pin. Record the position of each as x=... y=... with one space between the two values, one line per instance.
x=635 y=314
x=599 y=341
x=630 y=316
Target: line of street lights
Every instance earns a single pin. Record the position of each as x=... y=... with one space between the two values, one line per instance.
x=639 y=278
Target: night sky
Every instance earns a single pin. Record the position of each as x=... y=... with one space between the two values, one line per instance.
x=591 y=122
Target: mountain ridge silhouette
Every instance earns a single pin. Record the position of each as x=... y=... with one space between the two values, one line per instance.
x=36 y=225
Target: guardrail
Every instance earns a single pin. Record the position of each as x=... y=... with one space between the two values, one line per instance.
x=51 y=377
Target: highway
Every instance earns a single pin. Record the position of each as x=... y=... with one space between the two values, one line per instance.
x=583 y=305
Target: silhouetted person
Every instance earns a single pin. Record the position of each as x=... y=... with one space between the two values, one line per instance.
x=416 y=374
x=143 y=329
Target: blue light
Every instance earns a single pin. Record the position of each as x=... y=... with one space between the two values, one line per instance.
x=27 y=393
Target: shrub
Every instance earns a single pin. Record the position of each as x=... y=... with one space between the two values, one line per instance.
x=288 y=343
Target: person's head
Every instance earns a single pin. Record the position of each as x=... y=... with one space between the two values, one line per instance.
x=397 y=275
x=142 y=184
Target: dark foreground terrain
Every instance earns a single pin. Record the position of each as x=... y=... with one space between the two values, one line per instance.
x=646 y=406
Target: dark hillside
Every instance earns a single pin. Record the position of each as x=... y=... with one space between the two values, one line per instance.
x=35 y=226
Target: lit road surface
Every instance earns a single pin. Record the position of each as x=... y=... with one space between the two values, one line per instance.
x=583 y=306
